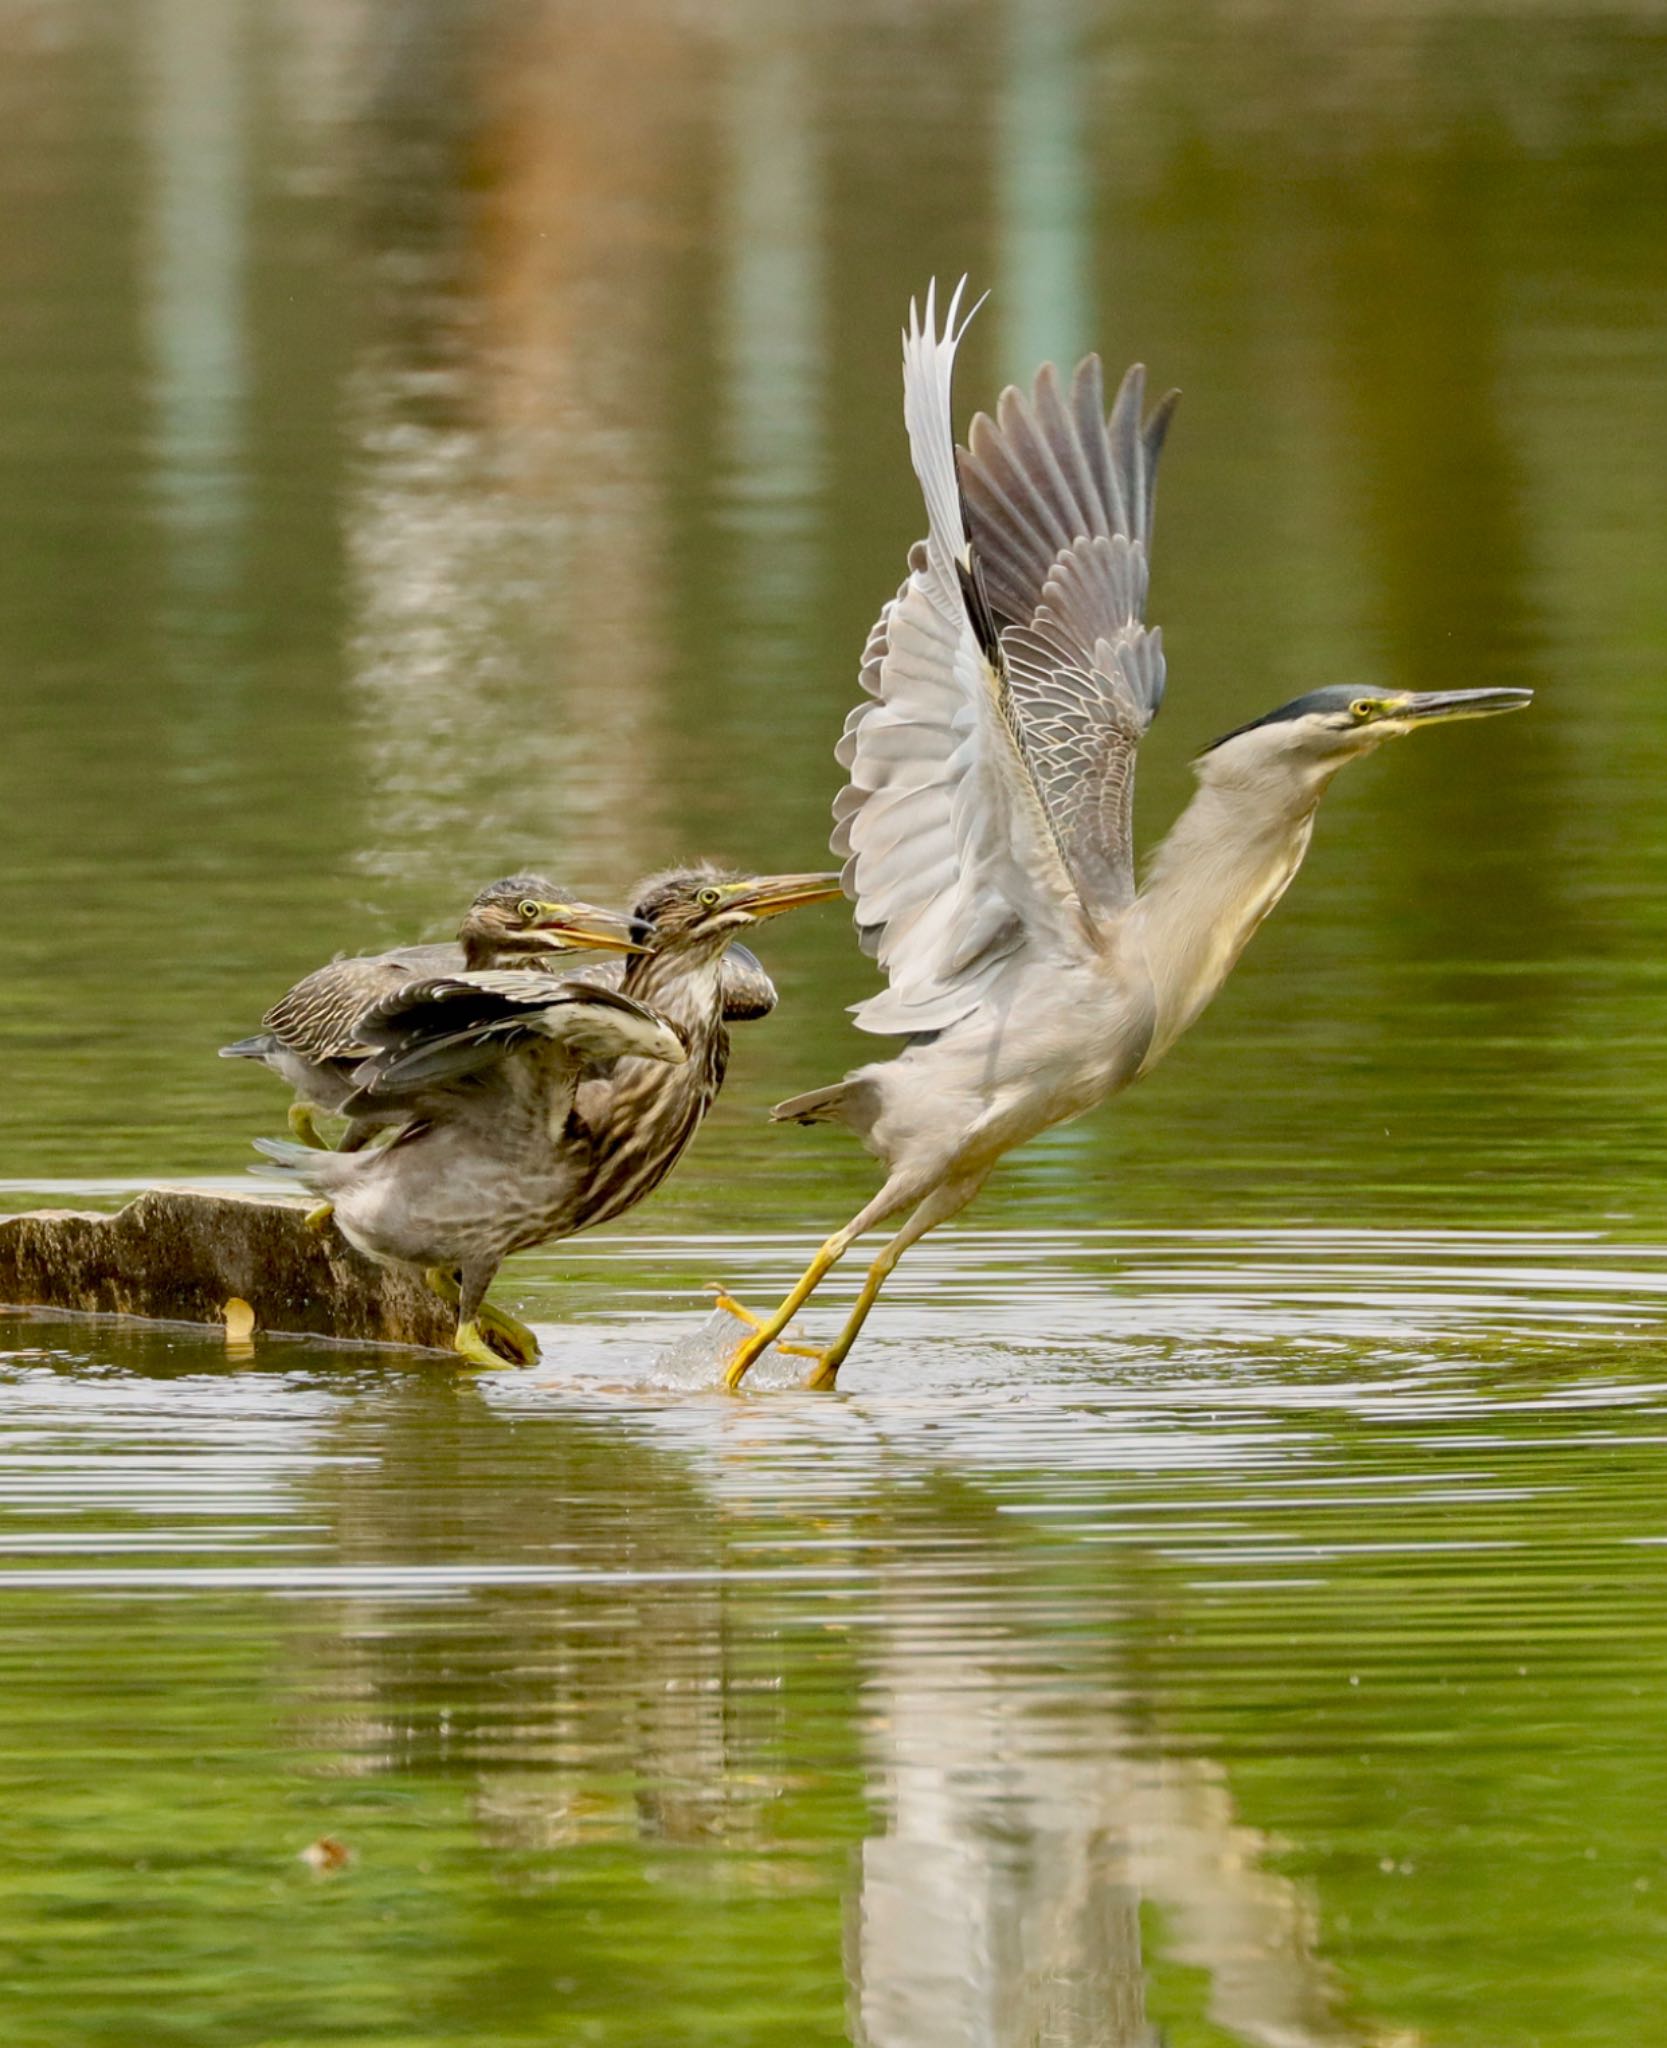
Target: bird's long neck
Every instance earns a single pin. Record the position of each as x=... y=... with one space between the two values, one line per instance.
x=1228 y=859
x=647 y=1111
x=683 y=983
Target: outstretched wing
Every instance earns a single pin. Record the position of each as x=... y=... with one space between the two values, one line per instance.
x=1059 y=506
x=318 y=1018
x=950 y=855
x=435 y=1032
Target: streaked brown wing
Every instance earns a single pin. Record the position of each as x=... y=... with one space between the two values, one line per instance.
x=319 y=1015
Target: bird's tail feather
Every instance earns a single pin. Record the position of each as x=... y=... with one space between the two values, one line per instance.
x=284 y=1155
x=283 y=1159
x=255 y=1048
x=818 y=1106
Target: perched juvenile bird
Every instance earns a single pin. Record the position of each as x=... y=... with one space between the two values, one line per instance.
x=481 y=1071
x=987 y=819
x=309 y=1036
x=535 y=1106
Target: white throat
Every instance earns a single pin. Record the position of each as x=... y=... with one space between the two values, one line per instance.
x=1230 y=856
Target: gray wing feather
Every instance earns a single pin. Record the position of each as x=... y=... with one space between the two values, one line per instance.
x=950 y=856
x=747 y=990
x=1059 y=504
x=318 y=1017
x=438 y=1031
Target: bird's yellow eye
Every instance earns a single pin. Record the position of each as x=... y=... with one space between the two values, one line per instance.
x=1362 y=707
x=529 y=912
x=709 y=899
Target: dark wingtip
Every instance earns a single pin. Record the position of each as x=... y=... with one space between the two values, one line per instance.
x=1157 y=422
x=977 y=601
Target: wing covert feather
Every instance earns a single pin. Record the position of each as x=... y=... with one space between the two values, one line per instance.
x=437 y=1031
x=318 y=1017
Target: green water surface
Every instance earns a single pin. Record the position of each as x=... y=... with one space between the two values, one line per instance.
x=1225 y=1606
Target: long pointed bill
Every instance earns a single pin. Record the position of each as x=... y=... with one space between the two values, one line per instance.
x=564 y=927
x=1433 y=707
x=770 y=895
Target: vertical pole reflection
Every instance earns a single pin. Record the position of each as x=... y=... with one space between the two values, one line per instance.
x=512 y=540
x=1043 y=210
x=773 y=340
x=1027 y=1827
x=197 y=220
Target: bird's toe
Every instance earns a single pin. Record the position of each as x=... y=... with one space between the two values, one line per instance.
x=721 y=1298
x=472 y=1345
x=511 y=1334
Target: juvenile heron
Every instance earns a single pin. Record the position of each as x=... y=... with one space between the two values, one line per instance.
x=309 y=1039
x=535 y=1106
x=309 y=1036
x=986 y=821
x=689 y=920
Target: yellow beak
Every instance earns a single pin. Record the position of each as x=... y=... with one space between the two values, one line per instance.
x=579 y=927
x=770 y=895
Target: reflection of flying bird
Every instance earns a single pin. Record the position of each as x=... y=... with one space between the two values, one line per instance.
x=986 y=822
x=309 y=1037
x=535 y=1105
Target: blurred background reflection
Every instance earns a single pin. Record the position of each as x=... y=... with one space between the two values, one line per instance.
x=445 y=436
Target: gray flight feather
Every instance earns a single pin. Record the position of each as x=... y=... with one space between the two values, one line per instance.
x=1059 y=505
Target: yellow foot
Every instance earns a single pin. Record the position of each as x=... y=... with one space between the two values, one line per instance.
x=826 y=1375
x=730 y=1306
x=470 y=1343
x=318 y=1220
x=510 y=1332
x=302 y=1124
x=516 y=1343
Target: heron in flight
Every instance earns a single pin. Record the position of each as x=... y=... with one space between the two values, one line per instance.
x=308 y=1037
x=533 y=1105
x=986 y=822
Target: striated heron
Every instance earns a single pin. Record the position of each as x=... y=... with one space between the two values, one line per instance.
x=986 y=821
x=309 y=1038
x=535 y=1106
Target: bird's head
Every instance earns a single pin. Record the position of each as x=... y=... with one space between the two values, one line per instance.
x=1317 y=733
x=526 y=916
x=705 y=907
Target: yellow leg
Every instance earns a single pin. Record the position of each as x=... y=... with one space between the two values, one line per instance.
x=765 y=1334
x=938 y=1207
x=302 y=1124
x=829 y=1361
x=318 y=1220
